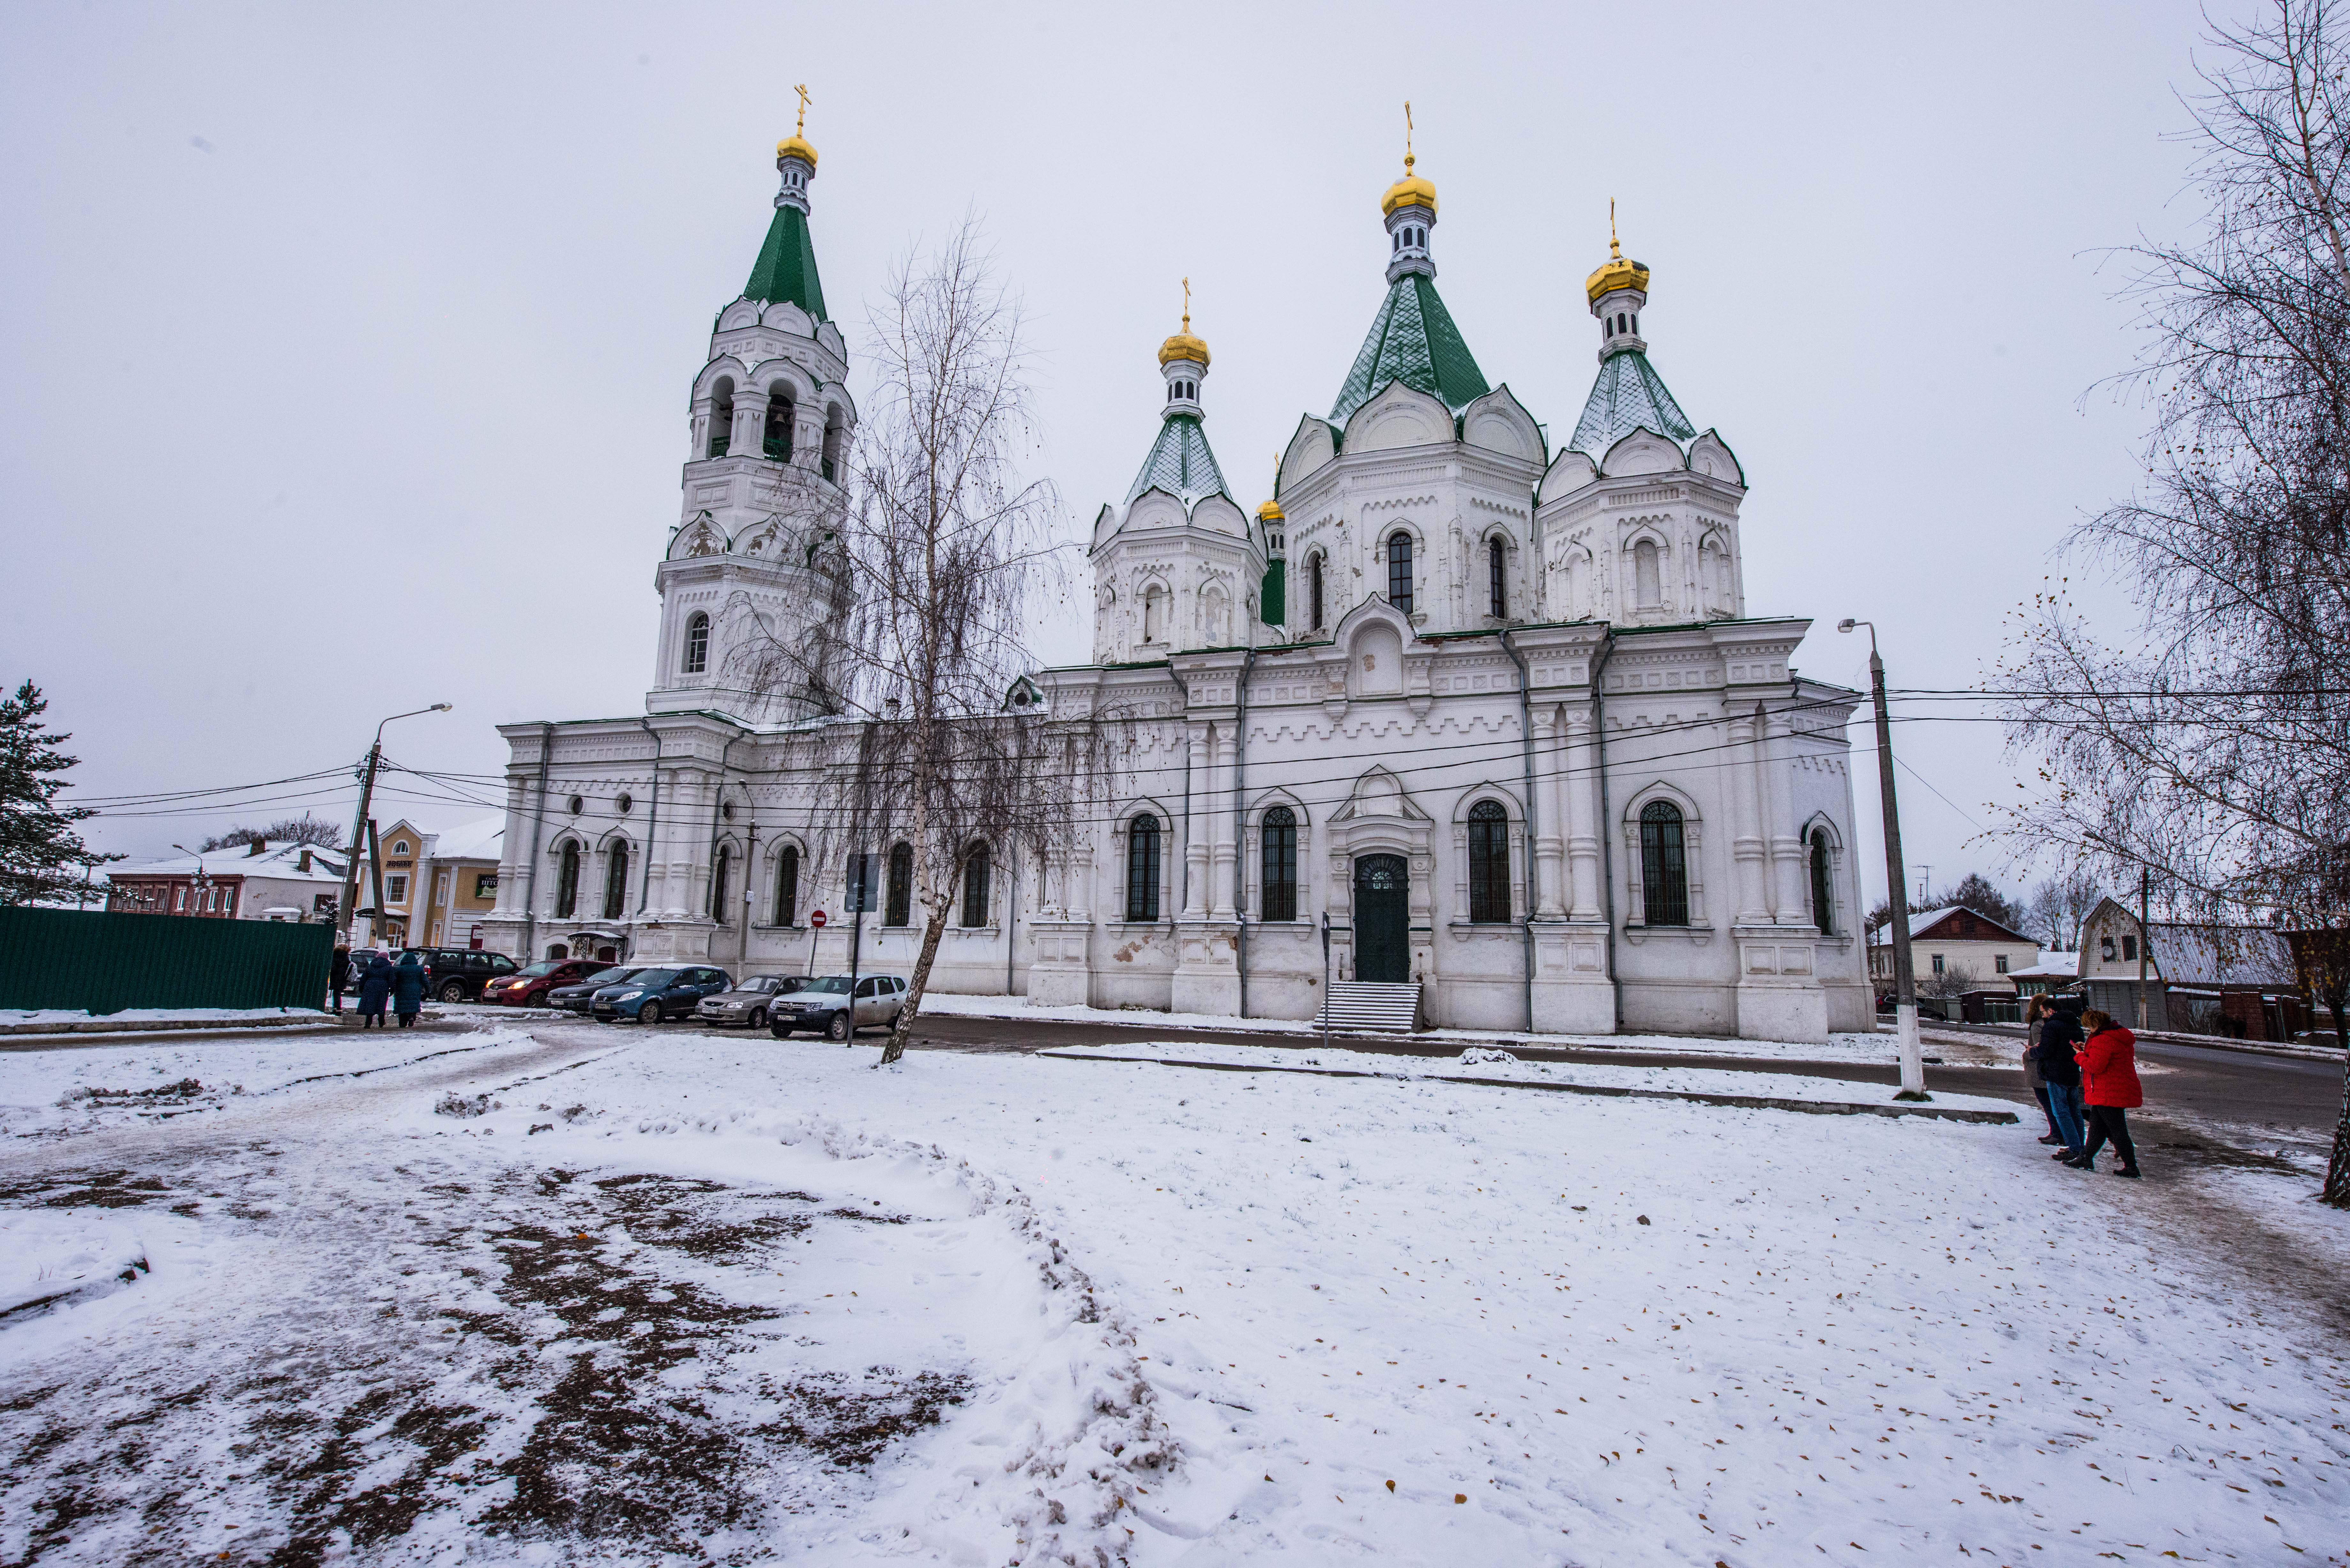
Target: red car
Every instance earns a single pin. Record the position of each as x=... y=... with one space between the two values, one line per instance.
x=529 y=987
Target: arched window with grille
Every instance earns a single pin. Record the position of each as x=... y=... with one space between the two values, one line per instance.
x=697 y=643
x=1497 y=584
x=1664 y=866
x=1489 y=863
x=719 y=870
x=1399 y=571
x=900 y=909
x=1142 y=869
x=1313 y=587
x=616 y=881
x=1279 y=839
x=566 y=880
x=1823 y=884
x=787 y=885
x=975 y=887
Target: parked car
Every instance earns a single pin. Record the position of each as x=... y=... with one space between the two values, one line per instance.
x=652 y=994
x=747 y=1003
x=458 y=974
x=822 y=1005
x=528 y=986
x=574 y=998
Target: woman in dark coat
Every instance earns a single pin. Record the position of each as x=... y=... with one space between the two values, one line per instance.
x=408 y=989
x=2109 y=1088
x=2054 y=1056
x=338 y=974
x=375 y=990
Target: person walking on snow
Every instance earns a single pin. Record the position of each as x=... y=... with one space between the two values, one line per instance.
x=2109 y=1088
x=408 y=989
x=2059 y=1033
x=375 y=990
x=2034 y=1011
x=339 y=975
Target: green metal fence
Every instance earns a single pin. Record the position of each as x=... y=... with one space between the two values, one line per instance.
x=104 y=963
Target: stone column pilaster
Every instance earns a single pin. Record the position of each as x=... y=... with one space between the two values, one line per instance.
x=1550 y=842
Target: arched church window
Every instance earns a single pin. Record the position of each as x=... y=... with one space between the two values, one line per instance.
x=722 y=418
x=1142 y=869
x=1496 y=582
x=787 y=885
x=616 y=881
x=1647 y=580
x=975 y=887
x=835 y=433
x=697 y=643
x=1636 y=321
x=719 y=870
x=1664 y=866
x=899 y=909
x=566 y=880
x=1823 y=884
x=1279 y=838
x=1399 y=571
x=1489 y=863
x=1314 y=588
x=775 y=442
x=1154 y=614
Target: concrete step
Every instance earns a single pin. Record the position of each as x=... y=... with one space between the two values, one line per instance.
x=1370 y=1006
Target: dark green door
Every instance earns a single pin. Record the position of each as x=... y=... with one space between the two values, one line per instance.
x=1382 y=920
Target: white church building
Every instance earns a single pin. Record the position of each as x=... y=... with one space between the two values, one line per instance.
x=1450 y=710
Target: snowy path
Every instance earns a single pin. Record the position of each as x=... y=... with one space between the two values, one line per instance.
x=1567 y=1330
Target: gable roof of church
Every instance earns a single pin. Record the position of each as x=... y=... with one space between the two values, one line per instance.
x=1180 y=463
x=1628 y=395
x=785 y=269
x=1412 y=340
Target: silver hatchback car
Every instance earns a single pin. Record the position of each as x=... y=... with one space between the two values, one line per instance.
x=747 y=1003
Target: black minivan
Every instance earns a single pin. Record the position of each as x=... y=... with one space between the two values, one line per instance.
x=458 y=974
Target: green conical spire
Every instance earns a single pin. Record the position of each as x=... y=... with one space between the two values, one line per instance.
x=1628 y=395
x=1180 y=463
x=1413 y=341
x=785 y=269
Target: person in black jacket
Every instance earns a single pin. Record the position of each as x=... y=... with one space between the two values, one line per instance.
x=375 y=990
x=2060 y=1032
x=339 y=975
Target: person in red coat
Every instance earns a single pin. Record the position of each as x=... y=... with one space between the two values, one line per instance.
x=2109 y=1090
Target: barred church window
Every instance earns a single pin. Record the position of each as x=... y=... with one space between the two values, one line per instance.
x=775 y=442
x=1314 y=586
x=1142 y=869
x=1664 y=867
x=1279 y=840
x=1496 y=583
x=697 y=643
x=900 y=910
x=1399 y=572
x=1646 y=580
x=567 y=881
x=718 y=878
x=787 y=885
x=975 y=887
x=1823 y=884
x=615 y=881
x=1489 y=863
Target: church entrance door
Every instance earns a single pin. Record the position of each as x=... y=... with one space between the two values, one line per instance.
x=1382 y=918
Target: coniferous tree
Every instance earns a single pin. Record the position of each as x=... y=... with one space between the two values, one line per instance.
x=41 y=856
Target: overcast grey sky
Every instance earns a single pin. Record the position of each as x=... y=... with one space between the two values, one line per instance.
x=348 y=348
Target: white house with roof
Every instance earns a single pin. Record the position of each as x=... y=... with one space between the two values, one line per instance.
x=1493 y=715
x=257 y=881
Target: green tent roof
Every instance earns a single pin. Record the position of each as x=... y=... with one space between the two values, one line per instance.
x=1180 y=463
x=787 y=266
x=1628 y=395
x=1413 y=341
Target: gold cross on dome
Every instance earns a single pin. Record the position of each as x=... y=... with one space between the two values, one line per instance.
x=1407 y=135
x=801 y=90
x=1186 y=304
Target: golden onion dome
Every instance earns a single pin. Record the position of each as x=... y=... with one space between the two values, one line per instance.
x=1270 y=512
x=1411 y=191
x=1183 y=346
x=795 y=146
x=1616 y=273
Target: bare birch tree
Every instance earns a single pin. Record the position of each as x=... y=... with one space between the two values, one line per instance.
x=2212 y=747
x=943 y=544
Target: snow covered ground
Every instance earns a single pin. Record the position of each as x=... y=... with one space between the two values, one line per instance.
x=59 y=1016
x=588 y=1295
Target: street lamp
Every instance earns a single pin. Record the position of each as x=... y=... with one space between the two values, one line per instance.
x=358 y=822
x=200 y=881
x=1896 y=882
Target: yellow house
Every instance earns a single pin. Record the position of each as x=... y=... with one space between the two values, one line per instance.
x=438 y=888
